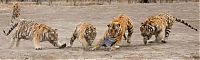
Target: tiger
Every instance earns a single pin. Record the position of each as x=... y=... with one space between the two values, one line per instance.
x=115 y=32
x=15 y=13
x=86 y=33
x=159 y=25
x=37 y=32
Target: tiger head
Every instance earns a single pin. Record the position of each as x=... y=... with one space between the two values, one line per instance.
x=52 y=36
x=16 y=9
x=114 y=29
x=147 y=30
x=90 y=34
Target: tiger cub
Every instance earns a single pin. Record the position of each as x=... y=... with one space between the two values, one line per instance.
x=86 y=33
x=37 y=32
x=160 y=26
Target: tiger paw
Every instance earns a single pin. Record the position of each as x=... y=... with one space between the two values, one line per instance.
x=117 y=47
x=92 y=49
x=163 y=41
x=151 y=41
x=38 y=48
x=68 y=46
x=62 y=46
x=128 y=42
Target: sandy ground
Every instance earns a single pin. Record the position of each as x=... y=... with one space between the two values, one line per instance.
x=183 y=42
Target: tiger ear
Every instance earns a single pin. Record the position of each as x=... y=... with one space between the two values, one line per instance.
x=142 y=23
x=108 y=25
x=56 y=29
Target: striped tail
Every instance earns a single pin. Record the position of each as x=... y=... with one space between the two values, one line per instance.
x=181 y=21
x=10 y=30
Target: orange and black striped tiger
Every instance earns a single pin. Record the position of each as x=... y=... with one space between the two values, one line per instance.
x=115 y=32
x=37 y=32
x=85 y=33
x=160 y=26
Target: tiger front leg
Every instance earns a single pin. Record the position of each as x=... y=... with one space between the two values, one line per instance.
x=130 y=32
x=115 y=45
x=13 y=42
x=84 y=44
x=95 y=47
x=98 y=45
x=160 y=37
x=125 y=38
x=145 y=40
x=36 y=43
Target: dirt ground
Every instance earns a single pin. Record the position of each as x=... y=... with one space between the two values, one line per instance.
x=183 y=42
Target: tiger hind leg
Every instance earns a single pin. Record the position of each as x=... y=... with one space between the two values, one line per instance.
x=12 y=43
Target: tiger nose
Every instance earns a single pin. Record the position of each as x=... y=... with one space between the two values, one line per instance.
x=113 y=32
